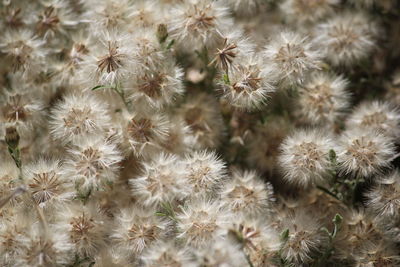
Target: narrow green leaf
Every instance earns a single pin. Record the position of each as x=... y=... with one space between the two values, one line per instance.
x=332 y=156
x=285 y=235
x=99 y=87
x=171 y=43
x=338 y=219
x=226 y=79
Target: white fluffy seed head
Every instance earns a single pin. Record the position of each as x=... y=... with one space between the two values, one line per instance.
x=155 y=87
x=145 y=132
x=244 y=8
x=20 y=108
x=24 y=51
x=11 y=230
x=46 y=183
x=232 y=47
x=148 y=52
x=108 y=15
x=255 y=235
x=384 y=198
x=347 y=38
x=384 y=253
x=379 y=116
x=38 y=249
x=77 y=117
x=55 y=18
x=67 y=71
x=85 y=226
x=248 y=84
x=219 y=253
x=201 y=221
x=359 y=234
x=109 y=62
x=197 y=23
x=205 y=171
x=136 y=229
x=165 y=253
x=9 y=182
x=304 y=157
x=323 y=98
x=162 y=181
x=146 y=14
x=202 y=114
x=264 y=146
x=305 y=239
x=180 y=139
x=111 y=258
x=292 y=56
x=245 y=193
x=304 y=11
x=364 y=152
x=92 y=163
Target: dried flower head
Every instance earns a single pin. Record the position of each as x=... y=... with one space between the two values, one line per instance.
x=307 y=11
x=54 y=18
x=21 y=109
x=304 y=238
x=162 y=181
x=165 y=253
x=245 y=193
x=205 y=171
x=46 y=183
x=92 y=162
x=292 y=56
x=145 y=14
x=379 y=116
x=255 y=235
x=220 y=253
x=37 y=249
x=77 y=117
x=155 y=87
x=198 y=22
x=384 y=198
x=248 y=85
x=305 y=157
x=359 y=234
x=68 y=70
x=136 y=229
x=364 y=153
x=244 y=7
x=9 y=174
x=179 y=140
x=110 y=15
x=201 y=222
x=110 y=62
x=265 y=144
x=230 y=49
x=347 y=38
x=14 y=17
x=144 y=132
x=85 y=226
x=148 y=52
x=379 y=255
x=201 y=113
x=11 y=231
x=24 y=50
x=323 y=98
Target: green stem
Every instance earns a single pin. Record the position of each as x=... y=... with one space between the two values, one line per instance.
x=325 y=190
x=248 y=259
